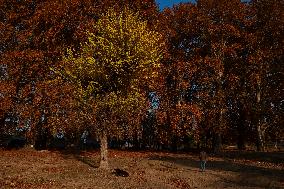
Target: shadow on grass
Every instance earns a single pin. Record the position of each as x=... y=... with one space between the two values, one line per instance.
x=79 y=156
x=247 y=175
x=271 y=157
x=88 y=161
x=249 y=180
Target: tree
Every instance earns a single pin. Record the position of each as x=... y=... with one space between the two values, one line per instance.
x=46 y=28
x=203 y=41
x=177 y=115
x=264 y=58
x=32 y=36
x=112 y=69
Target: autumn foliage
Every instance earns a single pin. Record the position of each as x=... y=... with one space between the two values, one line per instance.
x=215 y=67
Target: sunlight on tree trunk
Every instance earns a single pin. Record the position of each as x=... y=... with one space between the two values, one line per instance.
x=259 y=129
x=104 y=152
x=260 y=140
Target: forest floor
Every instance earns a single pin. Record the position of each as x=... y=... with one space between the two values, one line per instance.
x=27 y=168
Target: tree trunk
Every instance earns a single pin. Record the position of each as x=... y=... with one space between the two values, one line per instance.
x=260 y=141
x=217 y=143
x=174 y=143
x=104 y=152
x=241 y=127
x=217 y=138
x=241 y=142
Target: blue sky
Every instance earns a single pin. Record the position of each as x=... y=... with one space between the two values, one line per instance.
x=169 y=3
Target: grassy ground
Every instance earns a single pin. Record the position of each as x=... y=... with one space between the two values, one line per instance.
x=27 y=168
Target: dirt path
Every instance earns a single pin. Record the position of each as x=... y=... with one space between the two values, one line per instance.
x=27 y=168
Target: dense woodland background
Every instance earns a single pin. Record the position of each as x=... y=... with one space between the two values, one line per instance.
x=221 y=79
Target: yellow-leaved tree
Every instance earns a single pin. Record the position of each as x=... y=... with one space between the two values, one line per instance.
x=119 y=59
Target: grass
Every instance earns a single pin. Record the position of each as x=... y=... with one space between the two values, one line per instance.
x=27 y=168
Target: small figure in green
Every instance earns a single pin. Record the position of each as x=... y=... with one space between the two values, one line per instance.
x=203 y=159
